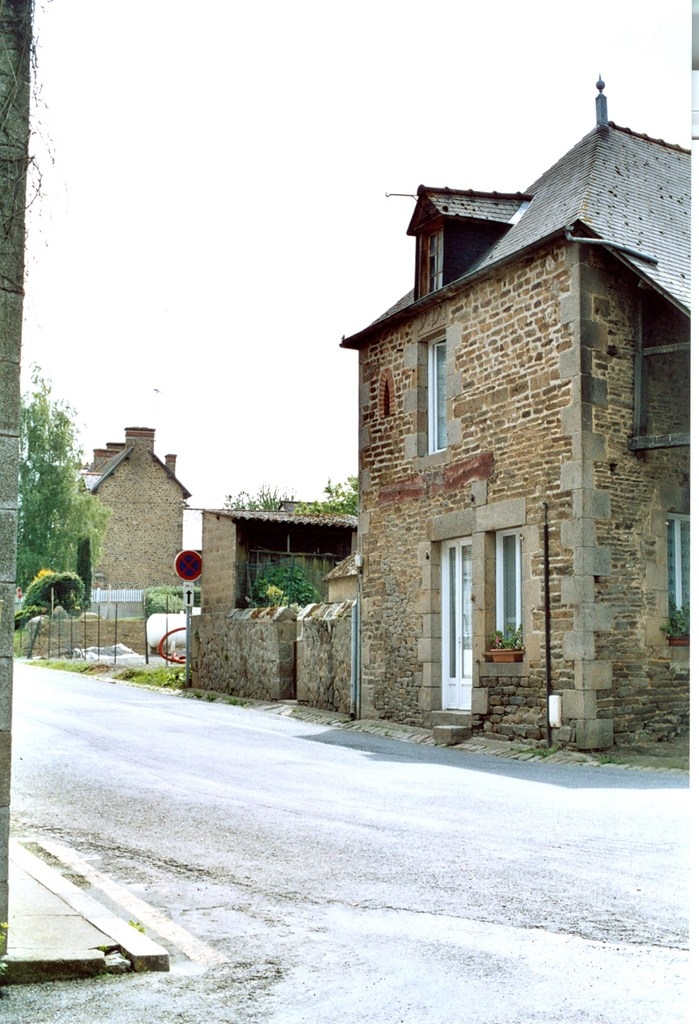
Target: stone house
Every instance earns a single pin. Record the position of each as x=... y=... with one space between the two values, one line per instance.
x=238 y=545
x=146 y=502
x=524 y=454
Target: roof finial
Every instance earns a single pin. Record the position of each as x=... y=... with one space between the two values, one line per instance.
x=601 y=103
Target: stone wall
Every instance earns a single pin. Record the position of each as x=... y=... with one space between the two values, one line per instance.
x=324 y=656
x=247 y=653
x=540 y=408
x=505 y=338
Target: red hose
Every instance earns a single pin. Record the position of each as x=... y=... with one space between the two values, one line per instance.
x=176 y=658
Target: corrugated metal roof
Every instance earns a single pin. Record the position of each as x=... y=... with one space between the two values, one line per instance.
x=297 y=518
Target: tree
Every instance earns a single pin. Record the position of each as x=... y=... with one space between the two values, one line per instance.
x=83 y=569
x=341 y=499
x=56 y=511
x=267 y=499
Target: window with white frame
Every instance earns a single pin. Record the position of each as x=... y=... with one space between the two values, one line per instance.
x=678 y=560
x=435 y=261
x=437 y=396
x=508 y=580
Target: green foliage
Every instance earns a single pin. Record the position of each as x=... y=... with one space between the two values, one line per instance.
x=509 y=640
x=168 y=599
x=267 y=499
x=678 y=620
x=83 y=569
x=340 y=499
x=283 y=585
x=27 y=612
x=49 y=589
x=55 y=510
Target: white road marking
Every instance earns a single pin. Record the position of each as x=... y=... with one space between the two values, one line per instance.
x=136 y=908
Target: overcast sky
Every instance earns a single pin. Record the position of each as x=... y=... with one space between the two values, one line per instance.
x=212 y=215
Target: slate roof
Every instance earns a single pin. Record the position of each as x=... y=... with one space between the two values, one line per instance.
x=625 y=188
x=93 y=478
x=616 y=185
x=344 y=569
x=291 y=518
x=448 y=202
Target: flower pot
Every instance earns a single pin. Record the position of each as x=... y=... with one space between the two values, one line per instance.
x=502 y=655
x=678 y=641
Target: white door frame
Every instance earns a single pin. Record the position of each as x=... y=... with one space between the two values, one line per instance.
x=457 y=624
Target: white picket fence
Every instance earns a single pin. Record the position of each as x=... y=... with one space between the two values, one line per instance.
x=107 y=595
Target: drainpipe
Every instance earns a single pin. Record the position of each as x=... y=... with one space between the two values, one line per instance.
x=547 y=624
x=608 y=244
x=356 y=662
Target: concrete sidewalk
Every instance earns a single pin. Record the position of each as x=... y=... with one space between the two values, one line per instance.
x=59 y=932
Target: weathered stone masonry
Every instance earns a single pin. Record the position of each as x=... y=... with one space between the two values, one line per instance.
x=529 y=420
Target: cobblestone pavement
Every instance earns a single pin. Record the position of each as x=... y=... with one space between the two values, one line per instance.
x=649 y=755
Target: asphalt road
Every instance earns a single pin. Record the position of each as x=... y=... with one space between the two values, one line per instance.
x=298 y=873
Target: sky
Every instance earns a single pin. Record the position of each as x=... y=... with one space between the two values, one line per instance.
x=209 y=211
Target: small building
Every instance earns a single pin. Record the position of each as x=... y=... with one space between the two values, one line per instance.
x=146 y=503
x=241 y=549
x=342 y=580
x=524 y=454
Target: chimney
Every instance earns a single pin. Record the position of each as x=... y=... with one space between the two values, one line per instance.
x=99 y=456
x=143 y=436
x=170 y=461
x=601 y=104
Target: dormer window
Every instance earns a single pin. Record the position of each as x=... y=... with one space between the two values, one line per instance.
x=435 y=260
x=454 y=230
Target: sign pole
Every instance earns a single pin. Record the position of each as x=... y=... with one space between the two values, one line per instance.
x=188 y=568
x=189 y=594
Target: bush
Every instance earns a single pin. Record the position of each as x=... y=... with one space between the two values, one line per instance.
x=168 y=599
x=24 y=614
x=283 y=585
x=49 y=589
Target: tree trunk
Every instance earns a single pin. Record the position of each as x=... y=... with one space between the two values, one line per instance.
x=15 y=71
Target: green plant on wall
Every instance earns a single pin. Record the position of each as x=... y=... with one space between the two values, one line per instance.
x=283 y=585
x=678 y=621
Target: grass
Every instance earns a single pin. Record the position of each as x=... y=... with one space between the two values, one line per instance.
x=161 y=676
x=158 y=675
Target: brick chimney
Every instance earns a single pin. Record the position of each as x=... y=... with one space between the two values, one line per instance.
x=142 y=436
x=100 y=456
x=170 y=461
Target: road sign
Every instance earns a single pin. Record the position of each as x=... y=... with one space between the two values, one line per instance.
x=188 y=594
x=188 y=565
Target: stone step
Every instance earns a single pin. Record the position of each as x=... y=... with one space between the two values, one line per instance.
x=462 y=718
x=450 y=735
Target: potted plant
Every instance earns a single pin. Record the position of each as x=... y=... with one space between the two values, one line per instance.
x=505 y=645
x=677 y=625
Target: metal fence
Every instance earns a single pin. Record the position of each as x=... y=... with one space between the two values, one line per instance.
x=113 y=630
x=295 y=576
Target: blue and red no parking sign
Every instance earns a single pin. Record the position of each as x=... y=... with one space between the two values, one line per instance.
x=188 y=565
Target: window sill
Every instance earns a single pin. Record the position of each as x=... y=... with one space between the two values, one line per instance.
x=493 y=669
x=432 y=460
